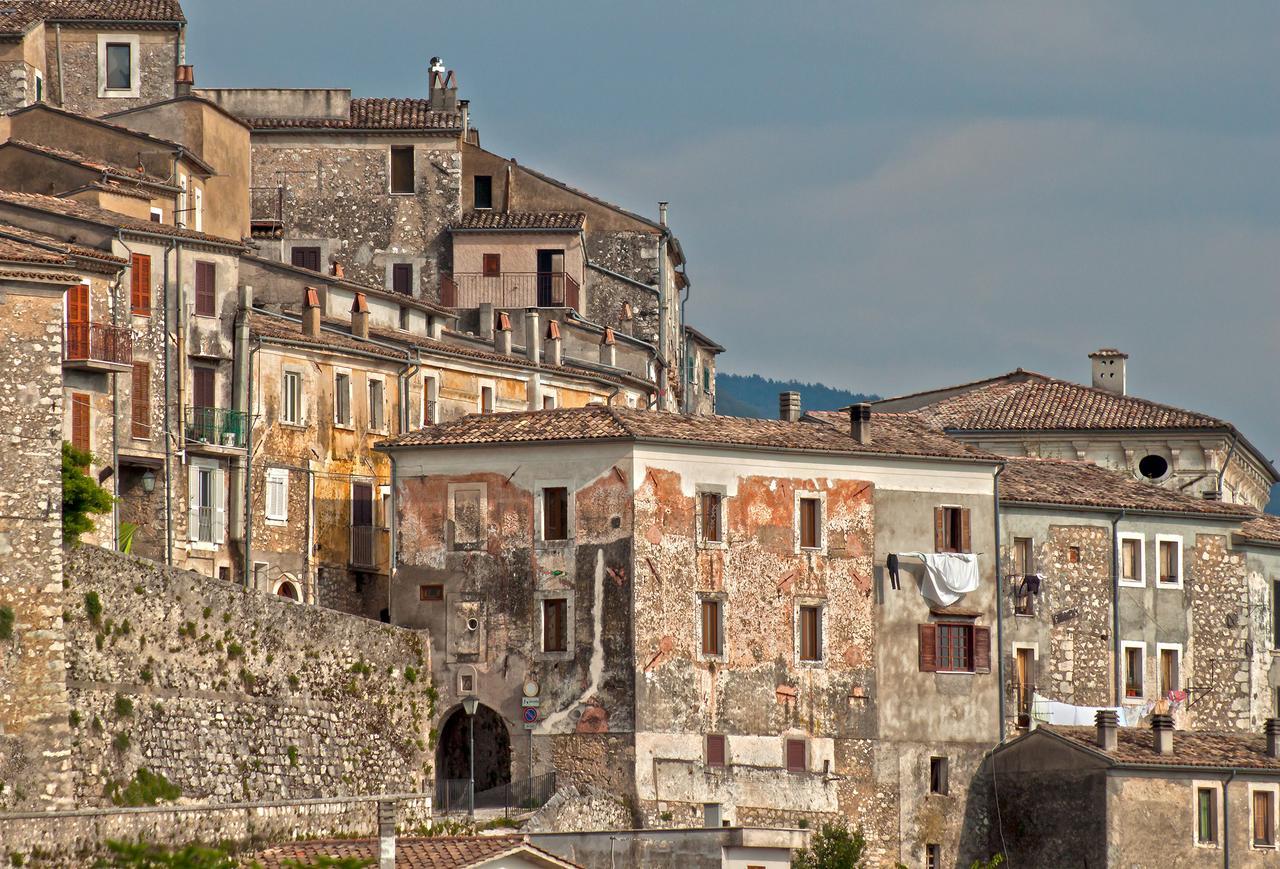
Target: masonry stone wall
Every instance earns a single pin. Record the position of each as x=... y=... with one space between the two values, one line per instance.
x=1221 y=645
x=154 y=67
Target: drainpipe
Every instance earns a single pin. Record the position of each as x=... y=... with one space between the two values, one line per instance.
x=115 y=418
x=1115 y=607
x=392 y=535
x=1226 y=820
x=999 y=602
x=662 y=296
x=248 y=466
x=403 y=376
x=62 y=98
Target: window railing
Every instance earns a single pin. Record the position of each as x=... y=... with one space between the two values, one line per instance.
x=216 y=426
x=510 y=290
x=364 y=545
x=98 y=342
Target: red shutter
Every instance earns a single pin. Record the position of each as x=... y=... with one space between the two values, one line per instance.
x=939 y=529
x=981 y=650
x=715 y=749
x=964 y=531
x=492 y=265
x=205 y=300
x=80 y=421
x=795 y=756
x=140 y=284
x=928 y=648
x=140 y=395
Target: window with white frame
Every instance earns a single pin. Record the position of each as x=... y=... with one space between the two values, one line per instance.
x=118 y=74
x=1133 y=559
x=342 y=398
x=709 y=516
x=157 y=215
x=1134 y=661
x=206 y=502
x=384 y=500
x=1168 y=561
x=1169 y=667
x=810 y=519
x=549 y=400
x=291 y=397
x=377 y=404
x=485 y=403
x=277 y=495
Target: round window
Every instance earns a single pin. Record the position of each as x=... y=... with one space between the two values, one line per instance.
x=1153 y=467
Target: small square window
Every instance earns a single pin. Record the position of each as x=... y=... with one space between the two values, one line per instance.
x=492 y=265
x=431 y=592
x=938 y=769
x=715 y=749
x=797 y=760
x=951 y=529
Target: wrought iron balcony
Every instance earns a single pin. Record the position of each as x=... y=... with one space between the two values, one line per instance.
x=216 y=426
x=510 y=290
x=98 y=345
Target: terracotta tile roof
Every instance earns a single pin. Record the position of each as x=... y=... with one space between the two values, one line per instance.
x=16 y=16
x=88 y=162
x=1083 y=484
x=622 y=423
x=371 y=113
x=441 y=852
x=904 y=434
x=702 y=339
x=92 y=214
x=269 y=326
x=1026 y=401
x=1264 y=528
x=1190 y=747
x=19 y=244
x=567 y=220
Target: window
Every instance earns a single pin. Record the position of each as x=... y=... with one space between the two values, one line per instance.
x=1264 y=822
x=207 y=502
x=404 y=319
x=430 y=404
x=933 y=856
x=1153 y=467
x=549 y=402
x=555 y=513
x=377 y=406
x=466 y=683
x=157 y=215
x=277 y=494
x=203 y=387
x=140 y=284
x=492 y=265
x=431 y=592
x=291 y=400
x=1169 y=556
x=709 y=505
x=810 y=523
x=140 y=400
x=80 y=437
x=795 y=756
x=555 y=634
x=951 y=529
x=1024 y=581
x=810 y=633
x=305 y=258
x=39 y=87
x=1073 y=554
x=955 y=647
x=342 y=398
x=1134 y=661
x=467 y=515
x=119 y=66
x=715 y=749
x=402 y=169
x=402 y=278
x=180 y=217
x=205 y=299
x=938 y=769
x=482 y=186
x=1132 y=560
x=1023 y=556
x=712 y=628
x=486 y=399
x=1170 y=666
x=1024 y=661
x=1206 y=816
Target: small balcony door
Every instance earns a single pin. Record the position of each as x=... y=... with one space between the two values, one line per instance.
x=78 y=322
x=550 y=278
x=202 y=392
x=362 y=530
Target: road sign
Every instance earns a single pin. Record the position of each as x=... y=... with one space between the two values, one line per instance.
x=533 y=726
x=530 y=714
x=530 y=701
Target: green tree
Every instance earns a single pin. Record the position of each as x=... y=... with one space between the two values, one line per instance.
x=835 y=846
x=81 y=494
x=140 y=855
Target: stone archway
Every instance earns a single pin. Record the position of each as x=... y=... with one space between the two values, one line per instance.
x=493 y=749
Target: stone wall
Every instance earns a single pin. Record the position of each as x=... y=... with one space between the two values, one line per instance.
x=581 y=807
x=153 y=67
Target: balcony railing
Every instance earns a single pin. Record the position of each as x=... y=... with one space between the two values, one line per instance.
x=216 y=426
x=510 y=290
x=99 y=343
x=364 y=545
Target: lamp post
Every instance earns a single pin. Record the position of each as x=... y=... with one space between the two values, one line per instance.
x=469 y=705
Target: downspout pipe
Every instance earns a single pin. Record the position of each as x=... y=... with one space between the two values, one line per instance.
x=393 y=537
x=248 y=465
x=1117 y=651
x=1000 y=676
x=62 y=97
x=663 y=302
x=1226 y=819
x=403 y=376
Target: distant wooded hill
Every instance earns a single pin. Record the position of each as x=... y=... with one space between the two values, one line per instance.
x=756 y=396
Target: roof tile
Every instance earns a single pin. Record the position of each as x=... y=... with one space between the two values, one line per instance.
x=88 y=162
x=1135 y=745
x=16 y=16
x=569 y=220
x=93 y=214
x=372 y=113
x=439 y=852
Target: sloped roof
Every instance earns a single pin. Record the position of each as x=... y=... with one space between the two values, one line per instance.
x=270 y=326
x=371 y=113
x=438 y=852
x=1083 y=484
x=17 y=16
x=24 y=245
x=1135 y=747
x=89 y=162
x=1264 y=528
x=497 y=220
x=92 y=214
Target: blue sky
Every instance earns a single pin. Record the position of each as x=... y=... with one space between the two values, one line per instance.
x=882 y=196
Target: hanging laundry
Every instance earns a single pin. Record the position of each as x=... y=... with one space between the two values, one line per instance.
x=1066 y=715
x=947 y=575
x=891 y=563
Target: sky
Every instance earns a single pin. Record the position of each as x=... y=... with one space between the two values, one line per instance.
x=881 y=196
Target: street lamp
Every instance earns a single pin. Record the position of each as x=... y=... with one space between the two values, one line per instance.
x=469 y=705
x=148 y=481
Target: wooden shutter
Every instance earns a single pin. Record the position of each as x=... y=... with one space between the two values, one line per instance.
x=939 y=529
x=202 y=387
x=205 y=297
x=305 y=258
x=796 y=755
x=492 y=265
x=809 y=523
x=80 y=438
x=140 y=284
x=715 y=749
x=555 y=510
x=981 y=650
x=964 y=543
x=711 y=627
x=219 y=505
x=140 y=398
x=193 y=502
x=361 y=505
x=928 y=648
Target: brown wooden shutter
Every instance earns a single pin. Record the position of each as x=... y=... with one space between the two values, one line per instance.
x=928 y=648
x=305 y=258
x=981 y=650
x=140 y=284
x=964 y=544
x=140 y=397
x=80 y=421
x=715 y=749
x=402 y=278
x=205 y=299
x=555 y=508
x=492 y=265
x=939 y=529
x=795 y=755
x=202 y=388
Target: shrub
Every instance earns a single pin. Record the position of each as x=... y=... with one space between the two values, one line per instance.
x=410 y=675
x=146 y=789
x=234 y=650
x=81 y=494
x=6 y=623
x=121 y=742
x=124 y=706
x=835 y=846
x=93 y=607
x=293 y=755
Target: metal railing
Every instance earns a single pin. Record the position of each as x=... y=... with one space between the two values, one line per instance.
x=510 y=290
x=217 y=426
x=98 y=342
x=453 y=795
x=266 y=204
x=364 y=545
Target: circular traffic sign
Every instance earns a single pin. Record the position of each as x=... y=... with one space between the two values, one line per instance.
x=530 y=714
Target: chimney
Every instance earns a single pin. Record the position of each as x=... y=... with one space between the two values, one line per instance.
x=502 y=334
x=1162 y=731
x=486 y=320
x=435 y=328
x=860 y=422
x=1211 y=495
x=789 y=406
x=608 y=349
x=662 y=213
x=386 y=834
x=1272 y=729
x=184 y=80
x=339 y=270
x=464 y=106
x=311 y=312
x=532 y=337
x=1108 y=723
x=360 y=316
x=444 y=87
x=553 y=342
x=1108 y=369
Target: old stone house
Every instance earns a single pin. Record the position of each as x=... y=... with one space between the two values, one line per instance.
x=89 y=56
x=693 y=609
x=1027 y=414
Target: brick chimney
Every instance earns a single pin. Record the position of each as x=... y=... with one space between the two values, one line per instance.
x=608 y=349
x=532 y=335
x=1162 y=733
x=789 y=406
x=553 y=342
x=1108 y=724
x=311 y=312
x=339 y=270
x=1108 y=369
x=443 y=87
x=184 y=80
x=502 y=333
x=360 y=316
x=860 y=422
x=1272 y=729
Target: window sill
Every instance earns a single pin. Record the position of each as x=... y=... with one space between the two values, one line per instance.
x=1169 y=585
x=301 y=426
x=146 y=314
x=344 y=426
x=553 y=544
x=402 y=193
x=203 y=546
x=815 y=550
x=712 y=544
x=1131 y=583
x=277 y=523
x=956 y=672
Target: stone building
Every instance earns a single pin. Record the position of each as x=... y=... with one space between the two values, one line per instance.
x=1027 y=414
x=694 y=608
x=89 y=56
